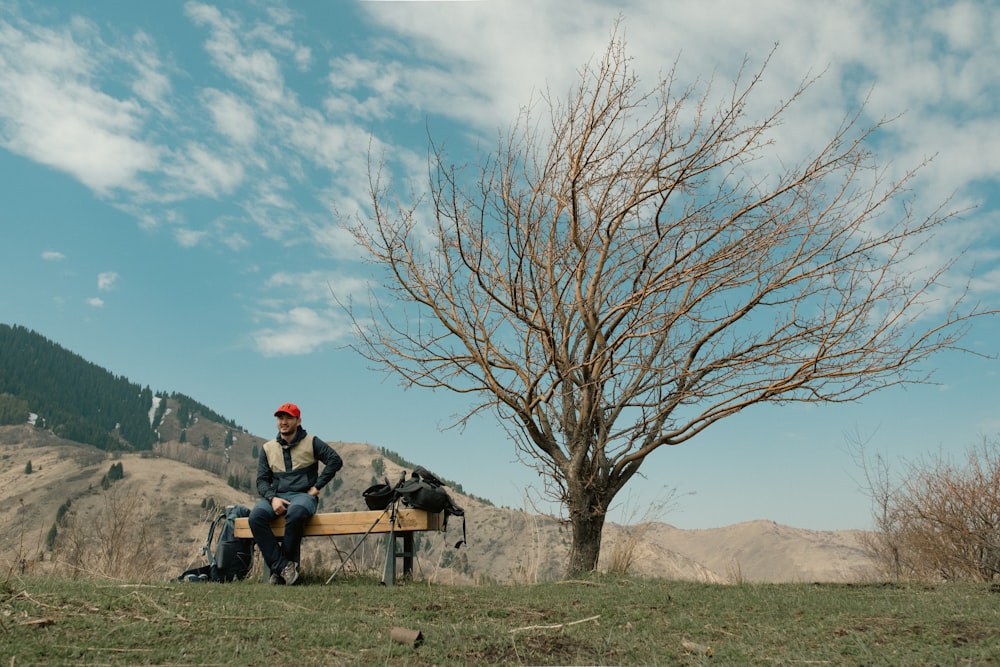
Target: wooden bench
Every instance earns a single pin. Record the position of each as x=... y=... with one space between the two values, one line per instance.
x=408 y=521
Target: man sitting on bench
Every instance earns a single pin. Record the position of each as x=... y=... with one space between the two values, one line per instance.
x=289 y=482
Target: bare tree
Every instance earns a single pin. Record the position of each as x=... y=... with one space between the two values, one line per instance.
x=621 y=275
x=941 y=520
x=120 y=540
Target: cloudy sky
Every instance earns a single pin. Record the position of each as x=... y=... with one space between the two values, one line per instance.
x=174 y=176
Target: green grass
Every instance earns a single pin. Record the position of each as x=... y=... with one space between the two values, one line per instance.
x=604 y=620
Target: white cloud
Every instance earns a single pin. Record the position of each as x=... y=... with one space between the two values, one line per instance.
x=338 y=242
x=53 y=256
x=276 y=31
x=349 y=78
x=199 y=170
x=315 y=321
x=256 y=68
x=290 y=161
x=480 y=62
x=107 y=280
x=233 y=117
x=300 y=330
x=966 y=25
x=151 y=84
x=188 y=238
x=235 y=241
x=312 y=286
x=95 y=302
x=53 y=111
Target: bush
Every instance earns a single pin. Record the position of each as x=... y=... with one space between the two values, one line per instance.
x=940 y=521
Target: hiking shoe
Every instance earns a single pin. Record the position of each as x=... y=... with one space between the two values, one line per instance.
x=276 y=580
x=290 y=573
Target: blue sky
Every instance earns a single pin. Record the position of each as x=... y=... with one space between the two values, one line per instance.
x=173 y=175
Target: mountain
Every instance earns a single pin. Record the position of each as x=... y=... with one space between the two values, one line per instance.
x=121 y=504
x=50 y=386
x=161 y=506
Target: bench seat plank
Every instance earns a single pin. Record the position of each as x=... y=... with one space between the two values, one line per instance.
x=354 y=523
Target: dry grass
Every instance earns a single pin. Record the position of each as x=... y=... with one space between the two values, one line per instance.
x=505 y=545
x=121 y=541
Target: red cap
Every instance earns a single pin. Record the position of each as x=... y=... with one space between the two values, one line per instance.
x=289 y=408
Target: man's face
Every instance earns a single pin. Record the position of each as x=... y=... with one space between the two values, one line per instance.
x=287 y=424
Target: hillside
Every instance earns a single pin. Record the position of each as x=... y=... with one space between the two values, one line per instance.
x=47 y=385
x=179 y=460
x=503 y=545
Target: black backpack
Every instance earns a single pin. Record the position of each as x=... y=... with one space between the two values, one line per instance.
x=232 y=557
x=423 y=490
x=379 y=496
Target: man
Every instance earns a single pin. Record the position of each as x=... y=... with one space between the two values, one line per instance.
x=289 y=482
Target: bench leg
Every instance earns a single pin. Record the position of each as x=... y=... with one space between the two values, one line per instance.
x=389 y=571
x=408 y=554
x=391 y=554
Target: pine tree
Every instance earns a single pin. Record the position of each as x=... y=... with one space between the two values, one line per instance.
x=50 y=539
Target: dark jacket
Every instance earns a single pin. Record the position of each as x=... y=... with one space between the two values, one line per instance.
x=294 y=466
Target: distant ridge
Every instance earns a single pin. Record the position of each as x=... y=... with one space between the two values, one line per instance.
x=504 y=545
x=181 y=456
x=61 y=391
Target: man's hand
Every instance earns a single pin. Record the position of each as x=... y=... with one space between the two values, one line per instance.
x=314 y=492
x=279 y=505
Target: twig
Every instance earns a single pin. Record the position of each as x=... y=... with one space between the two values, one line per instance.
x=699 y=649
x=160 y=608
x=556 y=626
x=25 y=595
x=117 y=649
x=581 y=582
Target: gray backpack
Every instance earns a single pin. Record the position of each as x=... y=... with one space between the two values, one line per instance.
x=232 y=557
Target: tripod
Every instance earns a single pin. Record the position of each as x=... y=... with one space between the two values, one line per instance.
x=389 y=571
x=368 y=532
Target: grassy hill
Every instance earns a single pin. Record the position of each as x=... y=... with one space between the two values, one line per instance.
x=152 y=523
x=64 y=510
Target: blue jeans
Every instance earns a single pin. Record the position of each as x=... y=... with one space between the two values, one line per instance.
x=276 y=556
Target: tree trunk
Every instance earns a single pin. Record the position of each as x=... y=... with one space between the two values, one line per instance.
x=585 y=549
